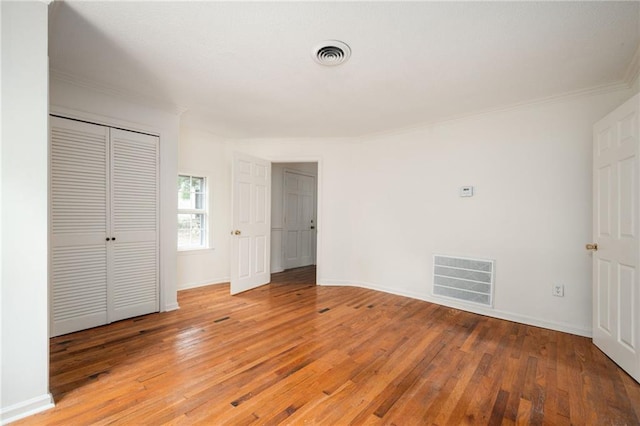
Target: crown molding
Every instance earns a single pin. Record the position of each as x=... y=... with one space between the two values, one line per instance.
x=195 y=120
x=567 y=96
x=106 y=89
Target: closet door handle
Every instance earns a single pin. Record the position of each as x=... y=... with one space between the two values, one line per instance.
x=108 y=238
x=113 y=239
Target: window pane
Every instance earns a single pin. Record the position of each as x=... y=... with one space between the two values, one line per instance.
x=202 y=230
x=199 y=200
x=184 y=192
x=192 y=231
x=192 y=228
x=196 y=230
x=184 y=183
x=185 y=200
x=184 y=221
x=197 y=184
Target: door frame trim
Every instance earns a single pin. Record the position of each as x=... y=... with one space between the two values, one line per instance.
x=319 y=200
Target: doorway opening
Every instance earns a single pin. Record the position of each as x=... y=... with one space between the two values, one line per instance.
x=294 y=201
x=303 y=276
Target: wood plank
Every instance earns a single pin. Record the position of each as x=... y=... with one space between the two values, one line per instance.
x=294 y=353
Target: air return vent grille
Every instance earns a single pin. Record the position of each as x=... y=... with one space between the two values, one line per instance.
x=331 y=52
x=463 y=279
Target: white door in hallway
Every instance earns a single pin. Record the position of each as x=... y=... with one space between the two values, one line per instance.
x=299 y=220
x=616 y=213
x=251 y=234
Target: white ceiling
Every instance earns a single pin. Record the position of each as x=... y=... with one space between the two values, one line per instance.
x=247 y=66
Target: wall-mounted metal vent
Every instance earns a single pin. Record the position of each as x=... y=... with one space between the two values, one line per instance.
x=463 y=279
x=331 y=52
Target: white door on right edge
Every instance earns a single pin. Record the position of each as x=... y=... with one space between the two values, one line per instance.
x=616 y=279
x=299 y=220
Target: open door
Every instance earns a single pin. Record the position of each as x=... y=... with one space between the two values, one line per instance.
x=616 y=246
x=251 y=234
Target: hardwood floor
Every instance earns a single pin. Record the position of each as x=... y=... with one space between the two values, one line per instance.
x=294 y=353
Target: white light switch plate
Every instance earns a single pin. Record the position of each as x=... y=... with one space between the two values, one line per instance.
x=466 y=191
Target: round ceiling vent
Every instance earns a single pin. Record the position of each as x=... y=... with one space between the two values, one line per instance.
x=331 y=52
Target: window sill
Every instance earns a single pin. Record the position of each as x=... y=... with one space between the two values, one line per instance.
x=194 y=251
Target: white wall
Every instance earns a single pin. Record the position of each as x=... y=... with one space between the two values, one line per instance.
x=24 y=368
x=74 y=100
x=531 y=169
x=390 y=202
x=205 y=154
x=277 y=207
x=202 y=150
x=336 y=184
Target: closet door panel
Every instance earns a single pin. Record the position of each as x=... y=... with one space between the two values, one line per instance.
x=79 y=291
x=135 y=279
x=78 y=222
x=134 y=181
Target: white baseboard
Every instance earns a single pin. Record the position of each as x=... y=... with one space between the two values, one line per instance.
x=26 y=408
x=495 y=313
x=171 y=307
x=203 y=283
x=275 y=271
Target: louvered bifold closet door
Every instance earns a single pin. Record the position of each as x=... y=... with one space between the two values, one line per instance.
x=79 y=209
x=134 y=221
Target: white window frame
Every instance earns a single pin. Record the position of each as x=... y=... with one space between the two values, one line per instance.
x=205 y=211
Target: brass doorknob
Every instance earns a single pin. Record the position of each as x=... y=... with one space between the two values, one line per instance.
x=237 y=232
x=592 y=247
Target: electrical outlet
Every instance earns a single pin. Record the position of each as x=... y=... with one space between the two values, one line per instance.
x=558 y=290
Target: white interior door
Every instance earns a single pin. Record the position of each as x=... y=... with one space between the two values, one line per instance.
x=299 y=220
x=616 y=287
x=251 y=234
x=133 y=249
x=79 y=207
